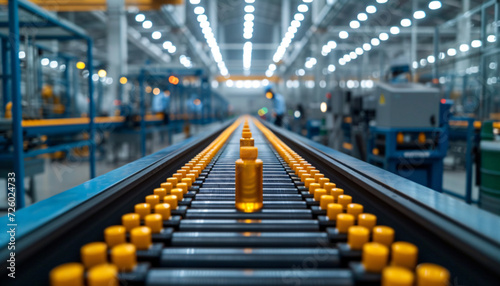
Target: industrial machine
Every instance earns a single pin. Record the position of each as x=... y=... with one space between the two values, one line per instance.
x=409 y=137
x=207 y=242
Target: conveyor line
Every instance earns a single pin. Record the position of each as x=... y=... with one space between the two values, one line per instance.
x=208 y=242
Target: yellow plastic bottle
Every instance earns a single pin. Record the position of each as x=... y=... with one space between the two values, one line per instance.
x=249 y=196
x=246 y=139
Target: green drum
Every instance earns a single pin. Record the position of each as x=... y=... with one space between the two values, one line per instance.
x=489 y=196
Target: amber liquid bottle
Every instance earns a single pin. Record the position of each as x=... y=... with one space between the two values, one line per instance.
x=249 y=195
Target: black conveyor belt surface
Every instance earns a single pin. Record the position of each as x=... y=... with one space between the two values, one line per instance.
x=283 y=244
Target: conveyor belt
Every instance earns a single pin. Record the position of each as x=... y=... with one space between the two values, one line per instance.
x=209 y=242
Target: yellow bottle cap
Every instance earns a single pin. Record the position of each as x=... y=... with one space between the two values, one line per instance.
x=322 y=182
x=177 y=176
x=124 y=257
x=308 y=181
x=374 y=257
x=318 y=193
x=189 y=176
x=173 y=181
x=190 y=164
x=69 y=274
x=179 y=193
x=103 y=275
x=196 y=171
x=313 y=187
x=182 y=172
x=114 y=235
x=154 y=222
x=167 y=187
x=429 y=274
x=309 y=168
x=303 y=175
x=333 y=210
x=163 y=210
x=94 y=253
x=313 y=173
x=186 y=168
x=404 y=254
x=357 y=236
x=246 y=135
x=317 y=177
x=397 y=276
x=336 y=192
x=141 y=237
x=367 y=220
x=160 y=192
x=131 y=220
x=354 y=209
x=344 y=221
x=183 y=187
x=249 y=153
x=344 y=200
x=142 y=209
x=325 y=201
x=383 y=234
x=152 y=200
x=171 y=200
x=328 y=186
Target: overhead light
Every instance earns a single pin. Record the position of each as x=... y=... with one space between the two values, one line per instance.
x=292 y=29
x=80 y=65
x=249 y=17
x=247 y=35
x=342 y=62
x=375 y=42
x=199 y=10
x=331 y=68
x=156 y=35
x=353 y=55
x=167 y=45
x=394 y=30
x=451 y=52
x=431 y=59
x=298 y=17
x=419 y=14
x=22 y=54
x=202 y=18
x=45 y=62
x=415 y=65
x=249 y=1
x=347 y=58
x=307 y=1
x=332 y=44
x=362 y=17
x=406 y=22
x=194 y=2
x=383 y=36
x=323 y=107
x=140 y=17
x=269 y=73
x=434 y=5
x=381 y=1
x=249 y=8
x=102 y=73
x=343 y=35
x=476 y=43
x=354 y=24
x=54 y=64
x=491 y=38
x=272 y=67
x=464 y=48
x=247 y=55
x=441 y=55
x=371 y=9
x=248 y=24
x=172 y=49
x=367 y=47
x=295 y=23
x=302 y=8
x=423 y=62
x=359 y=51
x=147 y=24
